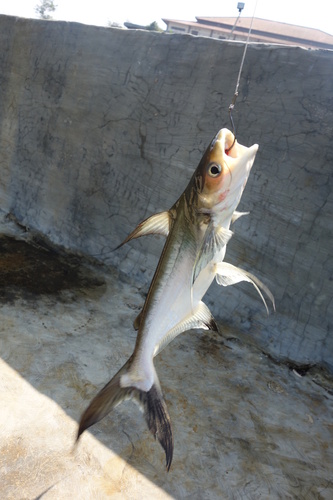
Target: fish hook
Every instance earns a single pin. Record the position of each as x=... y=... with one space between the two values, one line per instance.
x=233 y=102
x=231 y=107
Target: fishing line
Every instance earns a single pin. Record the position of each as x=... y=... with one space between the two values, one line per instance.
x=233 y=102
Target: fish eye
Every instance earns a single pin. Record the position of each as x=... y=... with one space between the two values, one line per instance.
x=214 y=169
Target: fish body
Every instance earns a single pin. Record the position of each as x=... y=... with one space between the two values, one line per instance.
x=197 y=230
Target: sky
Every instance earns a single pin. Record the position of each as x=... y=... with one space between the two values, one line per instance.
x=314 y=14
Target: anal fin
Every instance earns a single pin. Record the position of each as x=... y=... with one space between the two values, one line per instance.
x=201 y=318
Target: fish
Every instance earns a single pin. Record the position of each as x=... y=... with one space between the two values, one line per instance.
x=197 y=230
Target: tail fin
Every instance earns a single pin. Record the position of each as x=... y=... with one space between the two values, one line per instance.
x=152 y=402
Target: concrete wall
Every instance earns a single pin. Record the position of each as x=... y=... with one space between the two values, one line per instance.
x=102 y=127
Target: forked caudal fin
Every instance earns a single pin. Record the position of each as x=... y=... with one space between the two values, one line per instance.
x=152 y=403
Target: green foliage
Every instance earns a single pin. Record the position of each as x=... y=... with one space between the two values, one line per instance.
x=153 y=27
x=44 y=8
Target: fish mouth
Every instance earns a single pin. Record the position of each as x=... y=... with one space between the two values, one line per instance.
x=237 y=161
x=223 y=191
x=228 y=142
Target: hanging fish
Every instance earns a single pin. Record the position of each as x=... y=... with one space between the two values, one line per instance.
x=197 y=228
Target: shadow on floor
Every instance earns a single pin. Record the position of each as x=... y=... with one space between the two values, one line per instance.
x=244 y=427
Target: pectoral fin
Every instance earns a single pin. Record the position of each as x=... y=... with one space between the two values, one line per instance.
x=236 y=215
x=155 y=224
x=214 y=241
x=227 y=274
x=202 y=318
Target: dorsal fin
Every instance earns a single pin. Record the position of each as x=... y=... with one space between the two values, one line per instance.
x=155 y=224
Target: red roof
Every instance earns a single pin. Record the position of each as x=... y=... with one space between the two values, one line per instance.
x=262 y=29
x=272 y=27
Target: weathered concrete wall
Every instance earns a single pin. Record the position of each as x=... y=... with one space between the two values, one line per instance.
x=102 y=127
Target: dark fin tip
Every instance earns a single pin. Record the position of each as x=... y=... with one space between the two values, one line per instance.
x=159 y=422
x=87 y=420
x=119 y=246
x=80 y=431
x=110 y=396
x=212 y=325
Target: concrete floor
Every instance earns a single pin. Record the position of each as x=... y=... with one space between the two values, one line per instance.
x=244 y=426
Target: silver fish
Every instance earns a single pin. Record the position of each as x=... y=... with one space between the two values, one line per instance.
x=197 y=230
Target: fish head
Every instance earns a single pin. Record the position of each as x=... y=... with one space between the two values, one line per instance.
x=222 y=173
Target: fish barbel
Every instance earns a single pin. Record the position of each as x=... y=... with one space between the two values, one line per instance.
x=197 y=228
